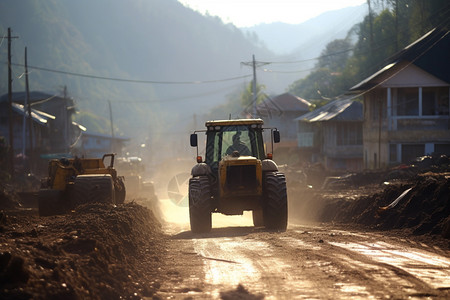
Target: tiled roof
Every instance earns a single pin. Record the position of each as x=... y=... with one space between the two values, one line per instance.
x=338 y=110
x=285 y=102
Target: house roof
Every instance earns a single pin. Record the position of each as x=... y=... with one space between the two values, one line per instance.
x=284 y=102
x=430 y=53
x=20 y=97
x=338 y=110
x=37 y=115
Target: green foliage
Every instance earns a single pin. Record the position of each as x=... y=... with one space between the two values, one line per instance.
x=247 y=97
x=379 y=36
x=158 y=40
x=320 y=84
x=335 y=55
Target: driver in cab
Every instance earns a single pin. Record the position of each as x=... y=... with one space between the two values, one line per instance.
x=238 y=146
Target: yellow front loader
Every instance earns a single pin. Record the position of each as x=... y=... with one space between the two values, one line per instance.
x=75 y=181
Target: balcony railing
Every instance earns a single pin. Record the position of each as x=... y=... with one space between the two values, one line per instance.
x=401 y=123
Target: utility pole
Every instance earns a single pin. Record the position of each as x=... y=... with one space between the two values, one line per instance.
x=66 y=122
x=112 y=126
x=396 y=26
x=254 y=64
x=10 y=113
x=371 y=29
x=30 y=119
x=254 y=86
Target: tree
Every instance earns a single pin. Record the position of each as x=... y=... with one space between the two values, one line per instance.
x=319 y=84
x=381 y=34
x=247 y=95
x=335 y=55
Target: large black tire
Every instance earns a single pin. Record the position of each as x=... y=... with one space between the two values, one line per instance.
x=200 y=204
x=258 y=217
x=275 y=201
x=92 y=188
x=50 y=202
x=119 y=189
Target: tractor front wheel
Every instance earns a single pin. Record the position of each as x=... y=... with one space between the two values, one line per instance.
x=200 y=204
x=275 y=201
x=119 y=189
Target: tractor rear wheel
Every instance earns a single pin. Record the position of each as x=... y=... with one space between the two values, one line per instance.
x=200 y=204
x=119 y=189
x=275 y=201
x=92 y=188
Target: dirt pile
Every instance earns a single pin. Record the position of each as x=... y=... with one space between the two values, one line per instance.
x=424 y=209
x=8 y=197
x=98 y=251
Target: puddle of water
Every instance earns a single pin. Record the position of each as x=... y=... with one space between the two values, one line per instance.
x=430 y=268
x=354 y=291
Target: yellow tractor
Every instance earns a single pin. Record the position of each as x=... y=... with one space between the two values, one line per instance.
x=237 y=176
x=76 y=181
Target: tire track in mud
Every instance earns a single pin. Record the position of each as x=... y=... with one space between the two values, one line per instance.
x=413 y=270
x=252 y=263
x=394 y=268
x=307 y=262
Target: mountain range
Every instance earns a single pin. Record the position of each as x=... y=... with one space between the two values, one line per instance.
x=313 y=34
x=156 y=61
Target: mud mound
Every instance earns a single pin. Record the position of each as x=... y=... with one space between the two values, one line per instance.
x=8 y=198
x=425 y=208
x=97 y=252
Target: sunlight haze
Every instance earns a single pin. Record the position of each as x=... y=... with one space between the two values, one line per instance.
x=247 y=13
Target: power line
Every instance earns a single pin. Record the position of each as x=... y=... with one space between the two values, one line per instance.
x=162 y=101
x=398 y=71
x=133 y=80
x=288 y=72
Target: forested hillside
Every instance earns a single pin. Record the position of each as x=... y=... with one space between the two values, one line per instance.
x=145 y=56
x=391 y=26
x=159 y=63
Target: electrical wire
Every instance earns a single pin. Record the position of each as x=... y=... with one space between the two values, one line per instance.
x=1 y=42
x=179 y=98
x=395 y=73
x=132 y=80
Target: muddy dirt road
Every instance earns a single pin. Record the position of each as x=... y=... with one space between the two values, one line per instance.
x=238 y=261
x=145 y=249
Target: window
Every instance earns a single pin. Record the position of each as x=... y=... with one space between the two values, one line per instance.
x=349 y=134
x=435 y=101
x=407 y=102
x=393 y=153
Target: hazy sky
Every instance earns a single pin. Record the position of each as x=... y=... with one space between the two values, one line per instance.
x=246 y=13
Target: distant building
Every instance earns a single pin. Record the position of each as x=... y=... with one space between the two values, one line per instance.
x=52 y=127
x=406 y=104
x=96 y=144
x=280 y=112
x=332 y=135
x=53 y=133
